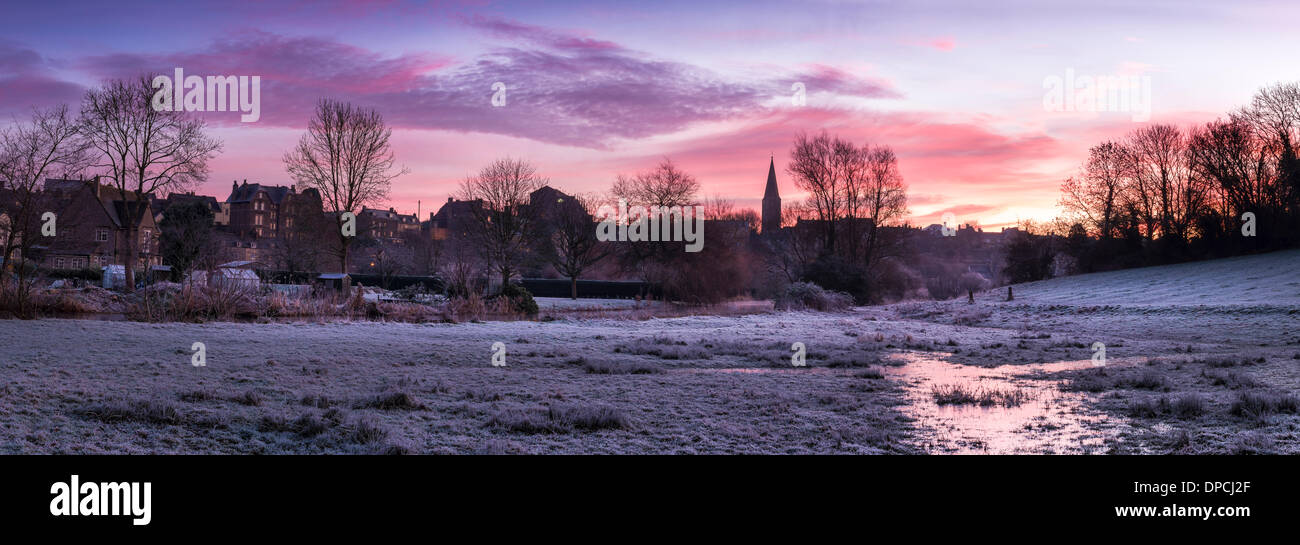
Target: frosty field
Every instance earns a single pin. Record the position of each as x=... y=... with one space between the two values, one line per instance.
x=1186 y=373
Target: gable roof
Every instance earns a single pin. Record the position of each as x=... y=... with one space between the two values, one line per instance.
x=247 y=192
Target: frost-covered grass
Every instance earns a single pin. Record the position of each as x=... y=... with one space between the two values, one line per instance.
x=1185 y=373
x=79 y=386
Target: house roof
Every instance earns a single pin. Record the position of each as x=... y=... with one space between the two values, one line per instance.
x=247 y=192
x=237 y=264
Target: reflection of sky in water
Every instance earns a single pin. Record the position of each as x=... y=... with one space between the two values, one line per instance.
x=1051 y=421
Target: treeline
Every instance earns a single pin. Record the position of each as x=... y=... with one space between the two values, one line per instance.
x=1166 y=194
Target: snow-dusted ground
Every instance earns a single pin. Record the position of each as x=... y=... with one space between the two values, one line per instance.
x=1267 y=279
x=87 y=386
x=564 y=303
x=700 y=384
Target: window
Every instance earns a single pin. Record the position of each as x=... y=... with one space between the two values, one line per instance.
x=58 y=263
x=101 y=235
x=144 y=237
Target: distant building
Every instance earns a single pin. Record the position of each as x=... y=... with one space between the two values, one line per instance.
x=220 y=214
x=93 y=223
x=386 y=225
x=452 y=220
x=771 y=201
x=262 y=211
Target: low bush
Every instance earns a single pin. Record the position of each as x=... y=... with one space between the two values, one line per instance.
x=809 y=296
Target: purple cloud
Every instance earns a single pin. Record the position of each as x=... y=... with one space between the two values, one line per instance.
x=27 y=81
x=561 y=88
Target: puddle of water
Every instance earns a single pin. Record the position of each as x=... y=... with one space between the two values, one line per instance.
x=760 y=370
x=1049 y=421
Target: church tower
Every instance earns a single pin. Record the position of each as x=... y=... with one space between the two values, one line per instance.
x=771 y=202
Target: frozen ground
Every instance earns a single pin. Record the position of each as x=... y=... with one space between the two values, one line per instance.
x=1206 y=359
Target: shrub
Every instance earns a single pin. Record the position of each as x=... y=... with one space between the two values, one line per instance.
x=1149 y=380
x=1188 y=405
x=250 y=398
x=588 y=417
x=620 y=368
x=468 y=307
x=318 y=401
x=1148 y=408
x=1230 y=379
x=869 y=373
x=1257 y=405
x=560 y=419
x=198 y=395
x=150 y=412
x=833 y=273
x=809 y=296
x=367 y=430
x=514 y=298
x=393 y=400
x=957 y=394
x=1089 y=381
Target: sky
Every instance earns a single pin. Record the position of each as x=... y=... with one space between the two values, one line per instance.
x=962 y=91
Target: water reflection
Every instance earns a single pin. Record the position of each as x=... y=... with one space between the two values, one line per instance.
x=1047 y=421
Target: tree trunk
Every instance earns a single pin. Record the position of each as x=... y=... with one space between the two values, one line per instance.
x=131 y=242
x=343 y=255
x=505 y=279
x=573 y=287
x=970 y=294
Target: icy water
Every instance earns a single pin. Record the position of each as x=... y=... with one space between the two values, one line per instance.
x=1048 y=421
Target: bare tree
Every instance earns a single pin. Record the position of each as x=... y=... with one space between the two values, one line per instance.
x=29 y=152
x=346 y=156
x=665 y=185
x=1229 y=153
x=501 y=225
x=722 y=209
x=1095 y=194
x=145 y=150
x=883 y=195
x=1274 y=112
x=573 y=245
x=460 y=266
x=812 y=165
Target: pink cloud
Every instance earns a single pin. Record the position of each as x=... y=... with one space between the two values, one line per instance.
x=943 y=44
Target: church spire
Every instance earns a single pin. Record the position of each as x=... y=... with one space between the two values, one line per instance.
x=771 y=201
x=771 y=190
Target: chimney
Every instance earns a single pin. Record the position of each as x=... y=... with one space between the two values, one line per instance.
x=293 y=188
